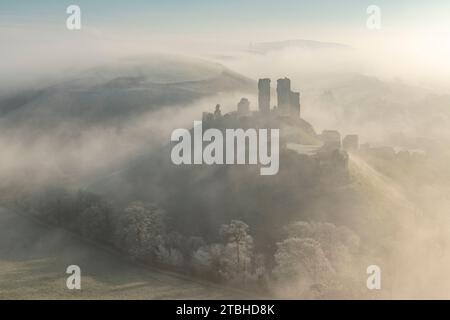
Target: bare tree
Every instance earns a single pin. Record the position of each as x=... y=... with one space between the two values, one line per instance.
x=237 y=238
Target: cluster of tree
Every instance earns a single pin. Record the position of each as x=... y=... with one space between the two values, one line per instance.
x=83 y=212
x=317 y=260
x=312 y=261
x=143 y=232
x=233 y=259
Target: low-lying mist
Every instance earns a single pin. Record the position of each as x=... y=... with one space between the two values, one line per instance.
x=69 y=152
x=393 y=212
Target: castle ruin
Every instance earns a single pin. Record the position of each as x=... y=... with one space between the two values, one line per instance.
x=288 y=101
x=264 y=95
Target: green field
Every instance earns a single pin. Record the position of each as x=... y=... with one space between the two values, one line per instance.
x=34 y=258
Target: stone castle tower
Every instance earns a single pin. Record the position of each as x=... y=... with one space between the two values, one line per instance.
x=287 y=100
x=264 y=95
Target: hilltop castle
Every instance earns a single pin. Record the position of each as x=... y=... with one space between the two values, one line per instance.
x=288 y=102
x=285 y=113
x=326 y=153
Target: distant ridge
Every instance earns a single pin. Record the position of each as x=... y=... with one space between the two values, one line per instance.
x=264 y=47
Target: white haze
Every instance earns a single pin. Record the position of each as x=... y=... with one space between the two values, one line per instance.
x=28 y=56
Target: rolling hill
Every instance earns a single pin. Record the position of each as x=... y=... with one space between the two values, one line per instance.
x=113 y=93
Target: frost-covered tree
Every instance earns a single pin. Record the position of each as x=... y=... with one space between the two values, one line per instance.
x=139 y=230
x=169 y=255
x=95 y=222
x=238 y=251
x=55 y=206
x=236 y=235
x=338 y=243
x=233 y=260
x=208 y=258
x=301 y=266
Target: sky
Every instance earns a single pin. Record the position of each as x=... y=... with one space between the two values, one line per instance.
x=209 y=16
x=413 y=32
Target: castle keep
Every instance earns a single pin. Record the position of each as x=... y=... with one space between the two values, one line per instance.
x=264 y=95
x=288 y=101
